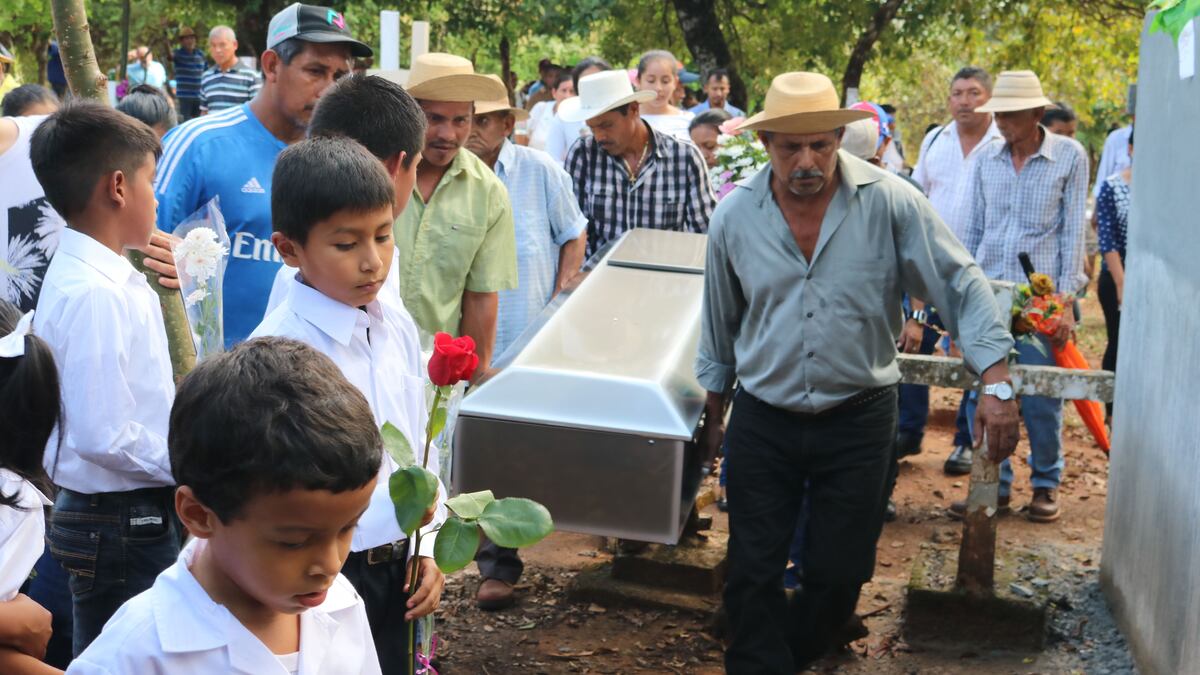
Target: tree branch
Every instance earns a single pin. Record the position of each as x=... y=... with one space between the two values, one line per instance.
x=866 y=42
x=78 y=55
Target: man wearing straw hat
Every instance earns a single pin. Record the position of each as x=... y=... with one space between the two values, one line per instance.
x=1027 y=195
x=456 y=241
x=807 y=262
x=627 y=174
x=551 y=236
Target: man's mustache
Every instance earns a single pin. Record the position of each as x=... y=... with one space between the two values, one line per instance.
x=806 y=173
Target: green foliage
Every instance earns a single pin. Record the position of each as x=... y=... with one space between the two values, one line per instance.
x=470 y=504
x=456 y=543
x=515 y=522
x=413 y=490
x=397 y=445
x=1173 y=15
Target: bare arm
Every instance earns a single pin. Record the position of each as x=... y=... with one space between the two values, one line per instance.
x=479 y=311
x=17 y=663
x=570 y=260
x=24 y=629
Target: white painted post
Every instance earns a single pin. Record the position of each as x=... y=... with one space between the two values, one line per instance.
x=389 y=40
x=420 y=39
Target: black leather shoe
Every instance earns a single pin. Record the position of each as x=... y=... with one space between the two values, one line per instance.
x=959 y=461
x=908 y=444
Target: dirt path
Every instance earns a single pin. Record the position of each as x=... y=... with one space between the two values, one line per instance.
x=545 y=633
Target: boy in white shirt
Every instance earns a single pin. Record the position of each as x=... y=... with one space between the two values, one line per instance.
x=339 y=235
x=114 y=528
x=276 y=456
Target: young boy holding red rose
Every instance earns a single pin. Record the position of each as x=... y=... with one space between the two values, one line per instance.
x=339 y=234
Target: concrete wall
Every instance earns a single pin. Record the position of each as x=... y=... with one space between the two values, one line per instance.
x=1151 y=563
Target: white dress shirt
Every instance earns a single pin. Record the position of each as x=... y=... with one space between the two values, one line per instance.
x=175 y=627
x=22 y=532
x=942 y=171
x=378 y=350
x=105 y=327
x=1115 y=157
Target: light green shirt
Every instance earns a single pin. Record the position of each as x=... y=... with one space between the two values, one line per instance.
x=807 y=335
x=462 y=240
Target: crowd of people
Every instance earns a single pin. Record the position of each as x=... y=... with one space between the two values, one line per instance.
x=240 y=519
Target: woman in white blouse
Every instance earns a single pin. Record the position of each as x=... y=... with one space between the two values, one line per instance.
x=560 y=134
x=544 y=111
x=658 y=71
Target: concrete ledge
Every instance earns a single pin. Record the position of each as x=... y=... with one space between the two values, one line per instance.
x=697 y=568
x=598 y=585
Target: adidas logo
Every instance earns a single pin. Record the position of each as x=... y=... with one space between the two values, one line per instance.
x=252 y=186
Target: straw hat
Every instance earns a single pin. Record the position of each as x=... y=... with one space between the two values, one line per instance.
x=600 y=93
x=446 y=77
x=801 y=103
x=498 y=104
x=1016 y=90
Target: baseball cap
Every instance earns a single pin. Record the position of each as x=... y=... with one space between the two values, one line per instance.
x=313 y=23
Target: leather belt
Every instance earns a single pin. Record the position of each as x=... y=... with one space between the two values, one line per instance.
x=397 y=550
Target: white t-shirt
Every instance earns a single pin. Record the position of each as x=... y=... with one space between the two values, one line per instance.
x=22 y=532
x=561 y=135
x=672 y=125
x=539 y=130
x=29 y=226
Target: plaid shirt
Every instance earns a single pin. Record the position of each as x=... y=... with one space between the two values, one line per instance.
x=670 y=192
x=1039 y=211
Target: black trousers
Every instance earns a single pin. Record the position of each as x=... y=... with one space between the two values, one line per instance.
x=497 y=562
x=842 y=459
x=1106 y=289
x=382 y=589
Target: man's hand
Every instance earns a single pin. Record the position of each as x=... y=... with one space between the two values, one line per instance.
x=25 y=626
x=713 y=435
x=911 y=337
x=429 y=589
x=160 y=258
x=1000 y=419
x=1066 y=328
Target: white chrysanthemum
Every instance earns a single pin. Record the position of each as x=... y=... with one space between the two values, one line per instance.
x=195 y=296
x=199 y=253
x=49 y=226
x=18 y=271
x=736 y=150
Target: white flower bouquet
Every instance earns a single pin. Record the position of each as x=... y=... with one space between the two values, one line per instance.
x=739 y=156
x=200 y=260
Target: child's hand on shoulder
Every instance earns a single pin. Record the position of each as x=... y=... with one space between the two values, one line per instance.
x=429 y=589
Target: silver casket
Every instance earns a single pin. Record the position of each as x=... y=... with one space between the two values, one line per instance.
x=595 y=408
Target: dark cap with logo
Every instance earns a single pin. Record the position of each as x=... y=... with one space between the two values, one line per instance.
x=313 y=24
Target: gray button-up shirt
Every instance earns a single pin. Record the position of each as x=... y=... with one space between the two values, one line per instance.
x=807 y=335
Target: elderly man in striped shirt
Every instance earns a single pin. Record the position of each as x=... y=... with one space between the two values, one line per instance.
x=226 y=84
x=1027 y=195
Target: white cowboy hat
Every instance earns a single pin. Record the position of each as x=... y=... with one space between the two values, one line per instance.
x=500 y=103
x=802 y=103
x=1016 y=90
x=446 y=77
x=600 y=93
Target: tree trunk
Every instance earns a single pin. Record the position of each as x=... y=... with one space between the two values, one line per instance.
x=75 y=47
x=866 y=42
x=41 y=46
x=706 y=42
x=506 y=64
x=86 y=81
x=125 y=12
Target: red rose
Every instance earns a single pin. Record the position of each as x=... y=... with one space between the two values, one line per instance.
x=454 y=359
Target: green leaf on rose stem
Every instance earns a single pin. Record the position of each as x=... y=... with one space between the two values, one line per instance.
x=397 y=445
x=446 y=390
x=456 y=543
x=437 y=421
x=515 y=522
x=413 y=491
x=470 y=506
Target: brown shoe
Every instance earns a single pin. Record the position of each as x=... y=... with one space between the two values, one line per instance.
x=958 y=509
x=493 y=595
x=1044 y=507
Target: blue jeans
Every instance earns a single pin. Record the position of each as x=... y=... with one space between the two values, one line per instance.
x=49 y=588
x=914 y=398
x=113 y=545
x=1043 y=423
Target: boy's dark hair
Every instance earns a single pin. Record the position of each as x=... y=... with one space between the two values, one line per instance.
x=589 y=62
x=320 y=176
x=270 y=415
x=1063 y=113
x=30 y=406
x=149 y=104
x=373 y=111
x=83 y=143
x=17 y=101
x=976 y=73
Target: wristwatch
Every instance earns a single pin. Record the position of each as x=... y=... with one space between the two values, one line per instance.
x=918 y=315
x=1001 y=390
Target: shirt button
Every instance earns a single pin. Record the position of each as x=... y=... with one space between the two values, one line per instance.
x=808 y=276
x=812 y=389
x=810 y=354
x=810 y=315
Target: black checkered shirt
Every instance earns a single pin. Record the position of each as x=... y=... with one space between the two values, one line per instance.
x=671 y=190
